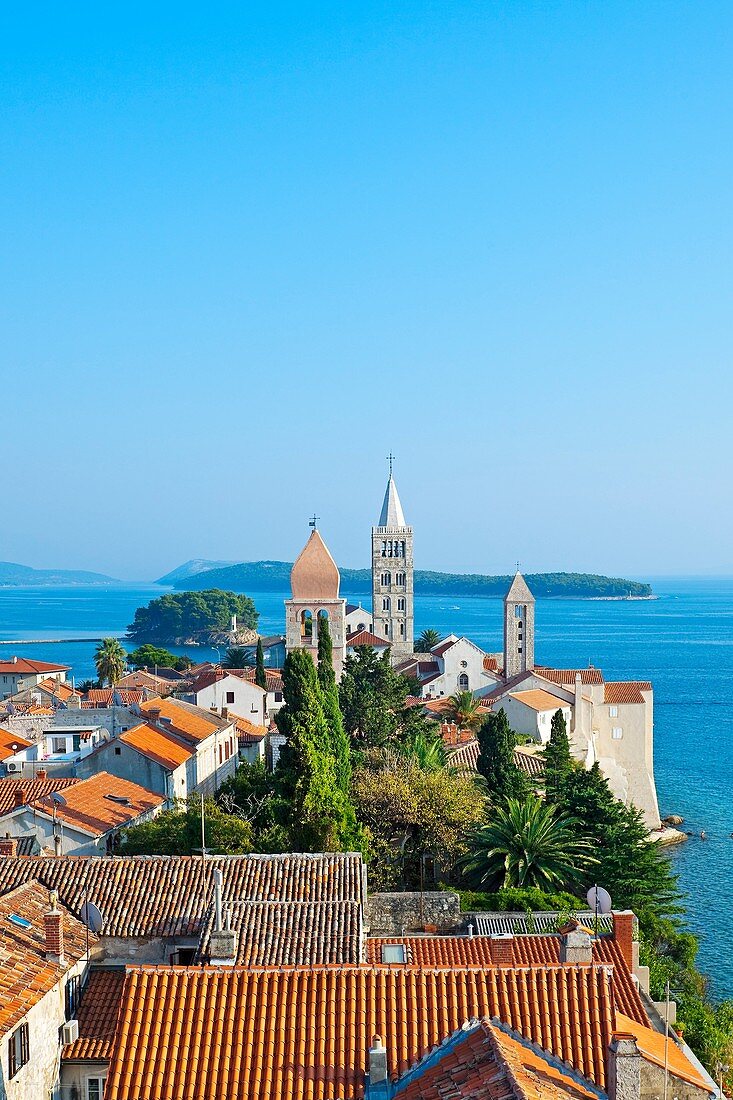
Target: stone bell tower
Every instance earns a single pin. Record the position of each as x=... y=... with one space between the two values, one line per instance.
x=518 y=628
x=392 y=568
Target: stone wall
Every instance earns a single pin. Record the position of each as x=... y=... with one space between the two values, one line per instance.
x=393 y=914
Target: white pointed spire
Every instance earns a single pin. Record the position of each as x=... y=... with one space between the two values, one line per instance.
x=392 y=514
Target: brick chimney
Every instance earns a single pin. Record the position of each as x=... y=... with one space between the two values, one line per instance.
x=54 y=933
x=41 y=774
x=626 y=935
x=8 y=846
x=378 y=1085
x=18 y=796
x=502 y=949
x=576 y=946
x=624 y=1068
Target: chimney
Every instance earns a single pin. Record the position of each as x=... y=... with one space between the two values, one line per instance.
x=625 y=933
x=217 y=898
x=502 y=949
x=41 y=774
x=225 y=712
x=18 y=797
x=223 y=938
x=8 y=846
x=576 y=946
x=154 y=714
x=54 y=933
x=378 y=1075
x=73 y=702
x=624 y=1068
x=15 y=660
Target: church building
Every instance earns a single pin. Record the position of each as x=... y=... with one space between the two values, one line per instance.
x=392 y=575
x=314 y=584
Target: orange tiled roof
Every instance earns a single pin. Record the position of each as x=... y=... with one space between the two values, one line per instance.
x=535 y=950
x=485 y=1061
x=273 y=933
x=272 y=676
x=102 y=697
x=156 y=745
x=626 y=691
x=365 y=637
x=491 y=663
x=26 y=975
x=97 y=1017
x=190 y=722
x=249 y=733
x=566 y=676
x=8 y=739
x=304 y=1032
x=90 y=808
x=57 y=688
x=537 y=699
x=651 y=1046
x=466 y=756
x=22 y=666
x=31 y=789
x=166 y=895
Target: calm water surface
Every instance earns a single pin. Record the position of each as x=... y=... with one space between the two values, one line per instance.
x=682 y=642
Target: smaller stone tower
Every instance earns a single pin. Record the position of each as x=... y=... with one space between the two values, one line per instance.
x=315 y=581
x=393 y=614
x=518 y=628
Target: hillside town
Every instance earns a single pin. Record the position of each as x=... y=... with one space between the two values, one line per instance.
x=347 y=957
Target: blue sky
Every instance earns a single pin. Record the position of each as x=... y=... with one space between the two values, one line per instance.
x=246 y=250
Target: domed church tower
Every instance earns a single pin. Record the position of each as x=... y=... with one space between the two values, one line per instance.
x=392 y=568
x=314 y=583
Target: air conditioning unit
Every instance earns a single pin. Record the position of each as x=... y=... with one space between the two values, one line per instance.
x=13 y=766
x=70 y=1032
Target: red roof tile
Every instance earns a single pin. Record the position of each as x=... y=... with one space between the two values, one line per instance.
x=22 y=666
x=101 y=803
x=290 y=933
x=157 y=745
x=566 y=676
x=97 y=1017
x=365 y=637
x=30 y=790
x=627 y=691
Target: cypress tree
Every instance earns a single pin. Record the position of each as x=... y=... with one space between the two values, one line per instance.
x=496 y=759
x=340 y=743
x=260 y=674
x=558 y=761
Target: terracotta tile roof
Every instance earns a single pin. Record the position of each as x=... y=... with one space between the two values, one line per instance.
x=273 y=677
x=365 y=637
x=25 y=972
x=168 y=896
x=491 y=663
x=288 y=1034
x=501 y=690
x=102 y=697
x=31 y=790
x=539 y=700
x=92 y=804
x=57 y=688
x=100 y=1005
x=485 y=1061
x=292 y=933
x=249 y=733
x=156 y=745
x=185 y=719
x=540 y=950
x=651 y=1045
x=444 y=646
x=627 y=691
x=8 y=739
x=566 y=676
x=466 y=756
x=208 y=677
x=22 y=666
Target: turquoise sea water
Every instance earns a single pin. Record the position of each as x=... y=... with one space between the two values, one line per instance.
x=682 y=641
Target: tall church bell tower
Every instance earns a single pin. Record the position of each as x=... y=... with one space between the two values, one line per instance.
x=518 y=628
x=392 y=569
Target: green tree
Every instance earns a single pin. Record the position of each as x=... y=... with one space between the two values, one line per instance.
x=526 y=843
x=253 y=793
x=235 y=657
x=148 y=656
x=340 y=741
x=110 y=659
x=260 y=673
x=306 y=767
x=412 y=812
x=178 y=616
x=372 y=698
x=178 y=832
x=558 y=760
x=496 y=759
x=465 y=710
x=87 y=685
x=426 y=749
x=427 y=640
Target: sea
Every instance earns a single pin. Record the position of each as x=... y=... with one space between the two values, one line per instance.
x=682 y=641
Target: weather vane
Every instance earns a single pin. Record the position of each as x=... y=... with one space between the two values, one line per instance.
x=390 y=459
x=313 y=522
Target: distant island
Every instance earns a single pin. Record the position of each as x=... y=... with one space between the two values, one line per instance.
x=13 y=575
x=194 y=618
x=274 y=576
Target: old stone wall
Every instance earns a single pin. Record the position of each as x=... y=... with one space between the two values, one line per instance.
x=393 y=914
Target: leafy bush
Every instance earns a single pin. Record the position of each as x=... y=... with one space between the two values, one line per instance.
x=517 y=901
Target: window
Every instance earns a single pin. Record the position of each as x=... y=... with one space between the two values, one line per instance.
x=384 y=549
x=393 y=953
x=617 y=733
x=278 y=697
x=518 y=611
x=18 y=1050
x=613 y=712
x=220 y=754
x=58 y=744
x=118 y=750
x=519 y=649
x=230 y=697
x=386 y=578
x=400 y=580
x=463 y=681
x=95 y=1088
x=400 y=605
x=385 y=603
x=402 y=630
x=72 y=996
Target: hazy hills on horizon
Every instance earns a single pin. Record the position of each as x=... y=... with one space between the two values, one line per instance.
x=14 y=575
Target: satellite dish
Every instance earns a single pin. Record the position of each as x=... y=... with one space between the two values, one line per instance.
x=599 y=900
x=57 y=798
x=91 y=917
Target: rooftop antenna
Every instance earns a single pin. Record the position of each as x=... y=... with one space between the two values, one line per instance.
x=600 y=901
x=56 y=800
x=313 y=521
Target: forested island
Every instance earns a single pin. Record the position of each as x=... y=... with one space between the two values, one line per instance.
x=274 y=576
x=193 y=618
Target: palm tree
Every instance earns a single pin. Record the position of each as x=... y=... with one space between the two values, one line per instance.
x=426 y=750
x=465 y=710
x=527 y=844
x=427 y=640
x=110 y=659
x=236 y=657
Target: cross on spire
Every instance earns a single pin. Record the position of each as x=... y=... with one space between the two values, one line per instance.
x=313 y=521
x=390 y=459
